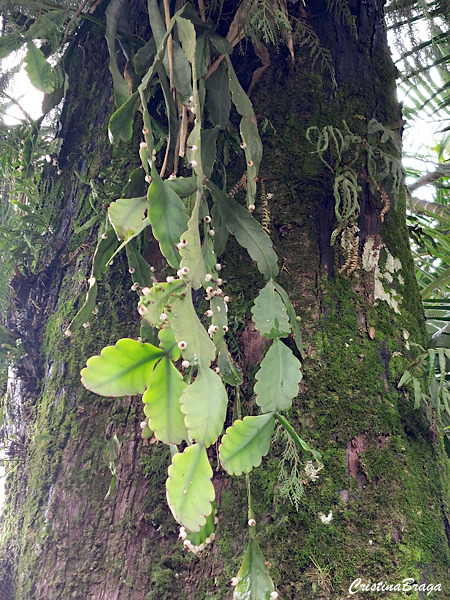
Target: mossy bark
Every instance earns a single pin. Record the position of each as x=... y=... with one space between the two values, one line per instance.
x=386 y=477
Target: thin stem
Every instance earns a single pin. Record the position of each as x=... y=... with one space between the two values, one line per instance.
x=251 y=514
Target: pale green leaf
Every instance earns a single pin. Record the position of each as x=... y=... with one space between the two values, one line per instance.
x=127 y=216
x=292 y=319
x=301 y=444
x=121 y=370
x=253 y=154
x=204 y=404
x=245 y=443
x=405 y=378
x=38 y=69
x=121 y=123
x=199 y=537
x=247 y=230
x=155 y=302
x=254 y=582
x=141 y=269
x=417 y=392
x=269 y=313
x=162 y=403
x=167 y=217
x=186 y=32
x=191 y=253
x=190 y=492
x=189 y=332
x=277 y=378
x=168 y=343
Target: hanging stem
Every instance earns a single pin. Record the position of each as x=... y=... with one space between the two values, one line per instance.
x=251 y=514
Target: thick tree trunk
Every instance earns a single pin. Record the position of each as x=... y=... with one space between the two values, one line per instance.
x=385 y=479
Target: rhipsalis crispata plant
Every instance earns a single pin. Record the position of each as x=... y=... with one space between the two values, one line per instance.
x=187 y=374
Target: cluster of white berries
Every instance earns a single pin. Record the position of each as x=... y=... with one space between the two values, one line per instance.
x=190 y=546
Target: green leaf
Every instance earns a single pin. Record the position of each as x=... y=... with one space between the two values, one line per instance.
x=218 y=97
x=186 y=32
x=405 y=378
x=191 y=253
x=254 y=582
x=301 y=444
x=141 y=269
x=183 y=186
x=121 y=123
x=136 y=185
x=245 y=443
x=113 y=13
x=229 y=372
x=85 y=312
x=240 y=98
x=292 y=319
x=156 y=300
x=190 y=492
x=209 y=138
x=199 y=537
x=247 y=230
x=38 y=69
x=167 y=217
x=127 y=216
x=253 y=154
x=162 y=403
x=277 y=379
x=204 y=404
x=103 y=253
x=200 y=349
x=121 y=370
x=417 y=392
x=202 y=56
x=168 y=343
x=269 y=313
x=144 y=57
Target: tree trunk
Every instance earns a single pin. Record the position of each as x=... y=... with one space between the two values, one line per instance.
x=383 y=493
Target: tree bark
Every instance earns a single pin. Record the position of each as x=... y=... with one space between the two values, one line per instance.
x=385 y=479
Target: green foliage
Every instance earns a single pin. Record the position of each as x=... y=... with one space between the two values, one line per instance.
x=253 y=579
x=120 y=370
x=204 y=404
x=245 y=443
x=38 y=69
x=277 y=379
x=190 y=492
x=162 y=403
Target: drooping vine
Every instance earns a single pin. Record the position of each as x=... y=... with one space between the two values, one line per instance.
x=188 y=375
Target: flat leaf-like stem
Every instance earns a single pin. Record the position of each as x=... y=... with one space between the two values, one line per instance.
x=277 y=378
x=162 y=403
x=301 y=444
x=204 y=404
x=269 y=313
x=247 y=231
x=190 y=492
x=196 y=345
x=245 y=443
x=167 y=217
x=254 y=582
x=127 y=216
x=121 y=370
